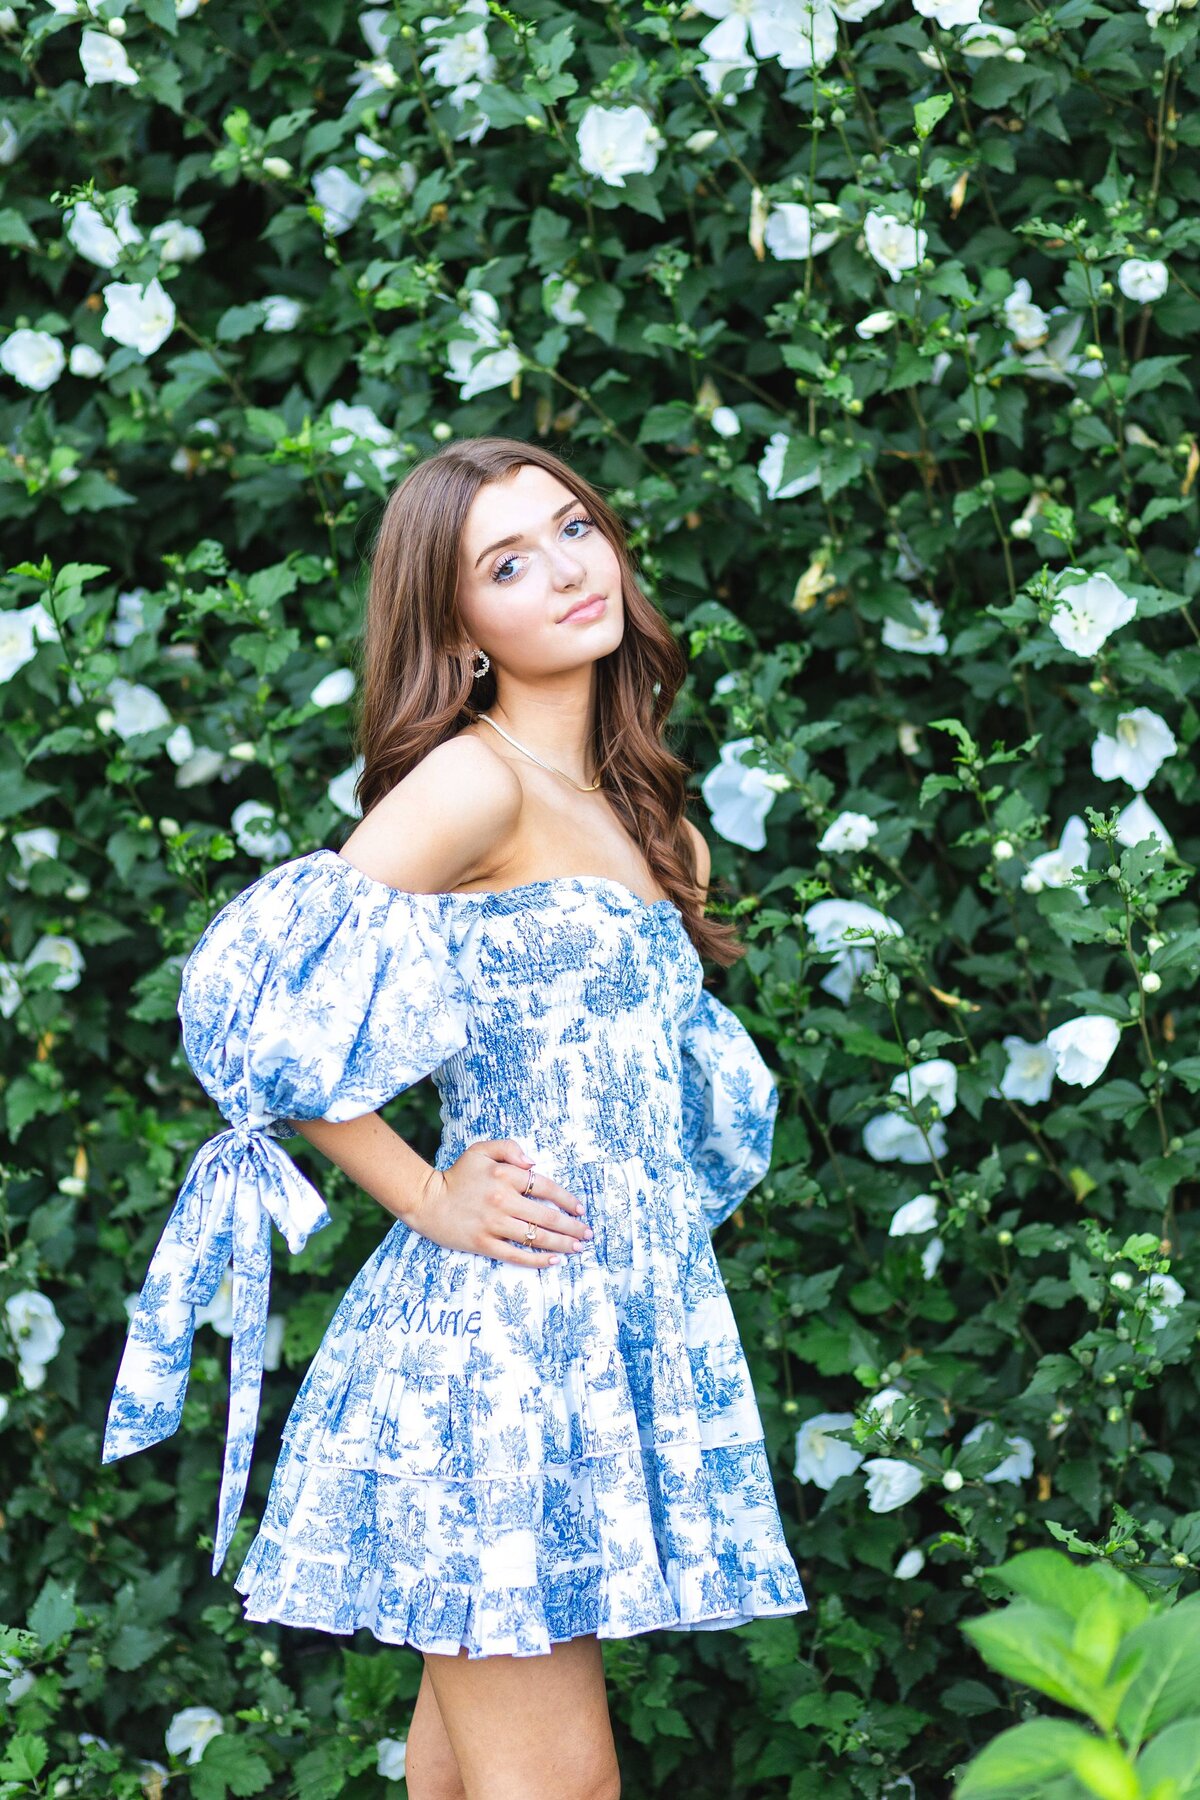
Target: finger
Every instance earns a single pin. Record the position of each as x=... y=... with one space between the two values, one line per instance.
x=529 y=1259
x=552 y=1238
x=551 y=1217
x=543 y=1188
x=507 y=1150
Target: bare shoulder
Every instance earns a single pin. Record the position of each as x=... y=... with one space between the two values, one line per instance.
x=447 y=822
x=703 y=854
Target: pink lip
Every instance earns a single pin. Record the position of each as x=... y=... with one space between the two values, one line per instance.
x=591 y=608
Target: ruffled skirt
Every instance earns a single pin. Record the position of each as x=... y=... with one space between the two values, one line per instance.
x=505 y=1458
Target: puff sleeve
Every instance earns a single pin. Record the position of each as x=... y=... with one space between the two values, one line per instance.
x=315 y=993
x=730 y=1102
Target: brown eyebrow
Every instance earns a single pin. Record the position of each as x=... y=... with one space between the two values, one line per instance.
x=500 y=542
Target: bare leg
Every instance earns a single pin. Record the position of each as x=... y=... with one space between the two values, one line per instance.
x=430 y=1768
x=529 y=1727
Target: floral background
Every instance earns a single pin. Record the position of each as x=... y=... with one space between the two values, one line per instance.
x=877 y=322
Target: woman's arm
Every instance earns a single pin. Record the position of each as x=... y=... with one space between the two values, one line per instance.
x=376 y=1158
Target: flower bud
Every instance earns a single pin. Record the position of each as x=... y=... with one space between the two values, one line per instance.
x=952 y=1481
x=1151 y=982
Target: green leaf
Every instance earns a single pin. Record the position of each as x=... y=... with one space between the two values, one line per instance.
x=1022 y=1759
x=1166 y=1685
x=52 y=1615
x=229 y=1765
x=926 y=113
x=26 y=1755
x=1033 y=1644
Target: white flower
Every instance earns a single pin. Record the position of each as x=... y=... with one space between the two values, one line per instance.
x=140 y=315
x=894 y=245
x=910 y=1564
x=178 y=242
x=983 y=37
x=889 y=1137
x=891 y=1482
x=282 y=312
x=616 y=141
x=799 y=33
x=713 y=72
x=1083 y=1047
x=949 y=13
x=10 y=990
x=390 y=1755
x=180 y=745
x=876 y=322
x=849 y=831
x=1024 y=319
x=1055 y=361
x=854 y=11
x=130 y=618
x=918 y=1214
x=1138 y=821
x=770 y=469
x=558 y=297
x=788 y=233
x=104 y=59
x=85 y=361
x=725 y=422
x=202 y=765
x=273 y=1340
x=17 y=642
x=219 y=1310
x=739 y=796
x=39 y=844
x=1141 y=280
x=340 y=197
x=1168 y=1293
x=340 y=790
x=34 y=358
x=10 y=142
x=824 y=1460
x=828 y=921
x=1136 y=752
x=461 y=62
x=94 y=240
x=883 y=1403
x=255 y=830
x=1053 y=868
x=362 y=424
x=925 y=639
x=190 y=1730
x=136 y=708
x=931 y=1256
x=1029 y=1074
x=63 y=951
x=479 y=328
x=333 y=688
x=36 y=1329
x=1017 y=1466
x=1091 y=611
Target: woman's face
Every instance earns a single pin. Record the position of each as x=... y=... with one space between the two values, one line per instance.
x=513 y=594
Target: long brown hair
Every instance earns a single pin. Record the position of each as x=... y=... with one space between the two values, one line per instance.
x=417 y=687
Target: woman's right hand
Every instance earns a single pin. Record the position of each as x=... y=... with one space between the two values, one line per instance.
x=478 y=1204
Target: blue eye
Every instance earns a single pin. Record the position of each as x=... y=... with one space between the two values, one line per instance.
x=501 y=580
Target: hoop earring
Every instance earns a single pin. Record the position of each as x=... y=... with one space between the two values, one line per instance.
x=487 y=663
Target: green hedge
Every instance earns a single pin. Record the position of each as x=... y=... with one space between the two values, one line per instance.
x=878 y=325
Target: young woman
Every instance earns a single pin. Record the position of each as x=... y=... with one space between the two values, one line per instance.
x=530 y=1425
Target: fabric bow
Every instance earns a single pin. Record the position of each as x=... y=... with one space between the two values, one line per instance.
x=238 y=1182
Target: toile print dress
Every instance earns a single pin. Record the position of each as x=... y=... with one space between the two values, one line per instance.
x=479 y=1454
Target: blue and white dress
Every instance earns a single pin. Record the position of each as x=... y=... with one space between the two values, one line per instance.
x=480 y=1454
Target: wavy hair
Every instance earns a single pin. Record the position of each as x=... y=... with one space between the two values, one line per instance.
x=417 y=688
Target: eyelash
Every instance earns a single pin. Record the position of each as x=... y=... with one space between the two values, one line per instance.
x=503 y=580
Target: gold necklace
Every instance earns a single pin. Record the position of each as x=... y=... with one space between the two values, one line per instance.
x=589 y=789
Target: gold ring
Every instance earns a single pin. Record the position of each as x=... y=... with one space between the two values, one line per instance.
x=528 y=1188
x=531 y=1232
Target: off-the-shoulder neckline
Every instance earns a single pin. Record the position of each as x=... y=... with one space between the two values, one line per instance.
x=522 y=887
